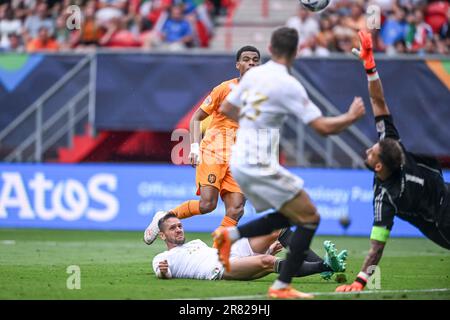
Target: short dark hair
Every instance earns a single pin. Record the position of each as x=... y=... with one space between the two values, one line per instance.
x=165 y=218
x=391 y=154
x=247 y=48
x=284 y=42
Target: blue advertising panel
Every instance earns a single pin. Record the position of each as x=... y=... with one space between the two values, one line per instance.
x=155 y=91
x=427 y=136
x=124 y=197
x=25 y=77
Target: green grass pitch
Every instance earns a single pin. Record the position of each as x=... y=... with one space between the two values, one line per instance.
x=117 y=265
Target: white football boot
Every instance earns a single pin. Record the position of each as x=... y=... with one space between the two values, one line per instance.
x=152 y=230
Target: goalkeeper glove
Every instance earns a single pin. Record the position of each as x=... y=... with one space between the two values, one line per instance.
x=357 y=285
x=365 y=52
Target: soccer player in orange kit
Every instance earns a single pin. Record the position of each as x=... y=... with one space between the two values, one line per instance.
x=211 y=155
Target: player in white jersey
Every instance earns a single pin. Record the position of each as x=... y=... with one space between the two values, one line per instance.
x=250 y=258
x=261 y=102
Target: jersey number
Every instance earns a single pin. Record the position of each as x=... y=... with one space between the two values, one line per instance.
x=252 y=104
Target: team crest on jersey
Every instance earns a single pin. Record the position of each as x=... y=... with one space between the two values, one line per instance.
x=211 y=178
x=208 y=100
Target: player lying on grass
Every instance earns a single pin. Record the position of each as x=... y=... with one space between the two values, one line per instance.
x=250 y=258
x=408 y=186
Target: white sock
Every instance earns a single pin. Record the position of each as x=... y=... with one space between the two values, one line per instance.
x=233 y=232
x=279 y=285
x=373 y=77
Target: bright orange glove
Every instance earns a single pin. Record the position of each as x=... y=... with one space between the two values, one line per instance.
x=365 y=51
x=355 y=286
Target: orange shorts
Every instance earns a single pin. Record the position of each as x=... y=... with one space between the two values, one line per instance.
x=216 y=175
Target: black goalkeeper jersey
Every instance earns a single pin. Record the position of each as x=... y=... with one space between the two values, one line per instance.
x=416 y=193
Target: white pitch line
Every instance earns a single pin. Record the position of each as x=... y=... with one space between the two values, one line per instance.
x=82 y=244
x=335 y=293
x=8 y=242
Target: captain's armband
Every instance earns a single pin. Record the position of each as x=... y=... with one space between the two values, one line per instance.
x=380 y=234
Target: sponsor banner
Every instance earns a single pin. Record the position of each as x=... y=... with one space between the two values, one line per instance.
x=125 y=197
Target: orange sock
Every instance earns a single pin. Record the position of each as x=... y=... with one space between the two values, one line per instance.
x=226 y=222
x=187 y=209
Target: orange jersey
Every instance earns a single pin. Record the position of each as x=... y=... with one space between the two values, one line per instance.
x=221 y=132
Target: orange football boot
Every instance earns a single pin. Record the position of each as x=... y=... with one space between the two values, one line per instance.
x=288 y=293
x=223 y=242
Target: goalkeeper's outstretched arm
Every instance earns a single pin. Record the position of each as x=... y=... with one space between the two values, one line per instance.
x=379 y=108
x=374 y=256
x=365 y=53
x=372 y=260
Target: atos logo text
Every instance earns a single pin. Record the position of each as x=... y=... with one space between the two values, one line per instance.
x=69 y=200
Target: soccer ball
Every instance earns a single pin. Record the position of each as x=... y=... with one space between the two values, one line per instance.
x=314 y=5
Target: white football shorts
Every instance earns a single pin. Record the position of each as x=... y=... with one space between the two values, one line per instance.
x=267 y=190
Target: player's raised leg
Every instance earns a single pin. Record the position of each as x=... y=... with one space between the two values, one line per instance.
x=207 y=203
x=302 y=212
x=187 y=209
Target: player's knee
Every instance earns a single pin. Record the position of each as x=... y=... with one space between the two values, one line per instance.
x=274 y=235
x=207 y=206
x=312 y=219
x=311 y=215
x=315 y=218
x=267 y=262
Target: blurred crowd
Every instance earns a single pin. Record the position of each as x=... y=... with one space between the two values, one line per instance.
x=406 y=27
x=61 y=25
